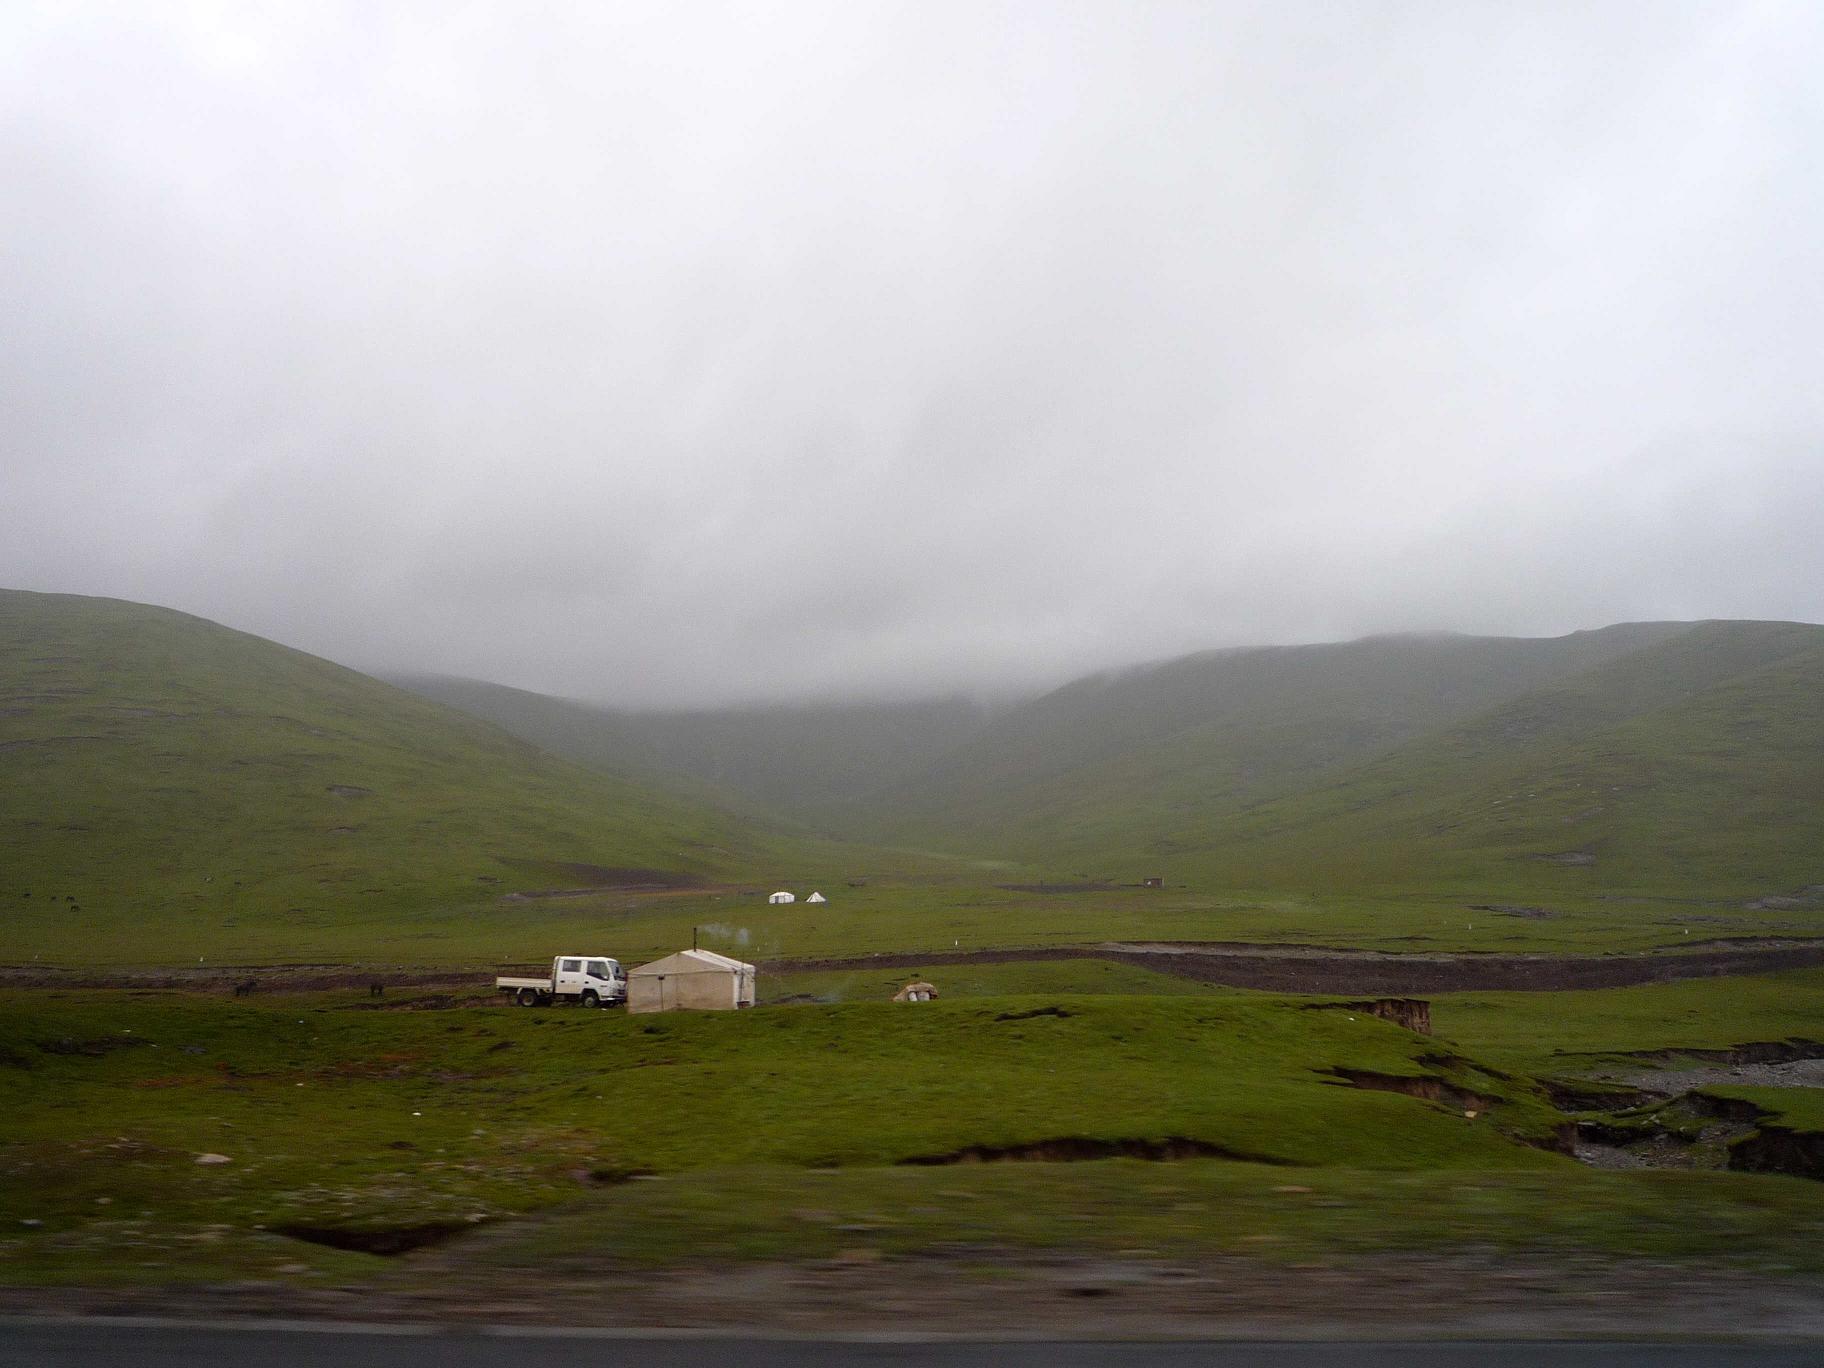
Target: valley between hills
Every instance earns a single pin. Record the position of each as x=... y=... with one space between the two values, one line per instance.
x=1598 y=860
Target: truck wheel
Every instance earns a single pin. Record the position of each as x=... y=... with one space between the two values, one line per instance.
x=527 y=997
x=591 y=999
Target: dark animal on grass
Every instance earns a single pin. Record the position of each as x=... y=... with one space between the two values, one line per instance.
x=376 y=990
x=243 y=989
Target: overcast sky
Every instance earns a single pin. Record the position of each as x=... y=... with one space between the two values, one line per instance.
x=688 y=352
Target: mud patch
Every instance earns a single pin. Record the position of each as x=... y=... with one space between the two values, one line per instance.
x=610 y=1176
x=1794 y=1063
x=1802 y=899
x=349 y=791
x=93 y=1048
x=1049 y=888
x=1695 y=1131
x=386 y=1241
x=1775 y=1149
x=1754 y=1052
x=1035 y=1012
x=1331 y=971
x=1071 y=1149
x=1414 y=1014
x=1515 y=910
x=1576 y=1096
x=600 y=877
x=45 y=741
x=1425 y=1087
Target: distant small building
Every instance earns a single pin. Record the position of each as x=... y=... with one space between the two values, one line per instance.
x=816 y=897
x=691 y=980
x=1153 y=881
x=781 y=897
x=915 y=992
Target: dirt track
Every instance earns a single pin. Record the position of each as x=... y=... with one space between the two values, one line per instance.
x=1305 y=969
x=1275 y=968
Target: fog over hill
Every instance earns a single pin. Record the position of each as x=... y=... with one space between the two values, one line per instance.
x=690 y=355
x=1642 y=755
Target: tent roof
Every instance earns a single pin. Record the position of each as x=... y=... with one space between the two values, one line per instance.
x=692 y=962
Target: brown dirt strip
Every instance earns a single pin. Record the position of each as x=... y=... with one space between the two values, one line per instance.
x=1274 y=968
x=1299 y=969
x=315 y=978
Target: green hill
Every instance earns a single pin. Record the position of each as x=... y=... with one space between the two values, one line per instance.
x=152 y=762
x=799 y=761
x=1693 y=766
x=1677 y=757
x=1107 y=762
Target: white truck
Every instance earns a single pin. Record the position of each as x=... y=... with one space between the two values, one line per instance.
x=592 y=980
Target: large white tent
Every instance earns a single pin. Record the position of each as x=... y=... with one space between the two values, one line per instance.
x=781 y=897
x=697 y=980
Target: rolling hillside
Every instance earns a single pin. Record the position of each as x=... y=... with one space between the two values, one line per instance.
x=1676 y=757
x=1695 y=766
x=797 y=762
x=1089 y=768
x=153 y=762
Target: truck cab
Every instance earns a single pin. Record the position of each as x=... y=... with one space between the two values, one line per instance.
x=581 y=976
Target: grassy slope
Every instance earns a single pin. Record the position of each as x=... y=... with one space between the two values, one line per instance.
x=334 y=1115
x=1694 y=766
x=794 y=762
x=1100 y=765
x=157 y=764
x=1661 y=758
x=1577 y=1033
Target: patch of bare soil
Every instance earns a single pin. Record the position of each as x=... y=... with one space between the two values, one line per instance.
x=1070 y=1149
x=1425 y=1087
x=1326 y=970
x=389 y=1241
x=992 y=1293
x=1775 y=1149
x=298 y=978
x=1322 y=970
x=1663 y=1118
x=1794 y=1063
x=603 y=878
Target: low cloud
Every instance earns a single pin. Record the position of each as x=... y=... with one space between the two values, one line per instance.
x=699 y=353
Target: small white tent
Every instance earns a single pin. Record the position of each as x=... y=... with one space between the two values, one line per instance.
x=816 y=897
x=781 y=897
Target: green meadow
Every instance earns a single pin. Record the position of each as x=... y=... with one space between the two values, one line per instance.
x=568 y=1134
x=180 y=796
x=894 y=913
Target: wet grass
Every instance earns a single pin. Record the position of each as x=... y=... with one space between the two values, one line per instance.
x=1181 y=1210
x=335 y=1118
x=904 y=911
x=1604 y=1031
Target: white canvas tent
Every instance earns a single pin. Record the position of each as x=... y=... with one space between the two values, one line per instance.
x=816 y=897
x=781 y=897
x=696 y=980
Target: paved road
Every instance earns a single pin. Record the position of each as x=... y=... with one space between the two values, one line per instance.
x=104 y=1344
